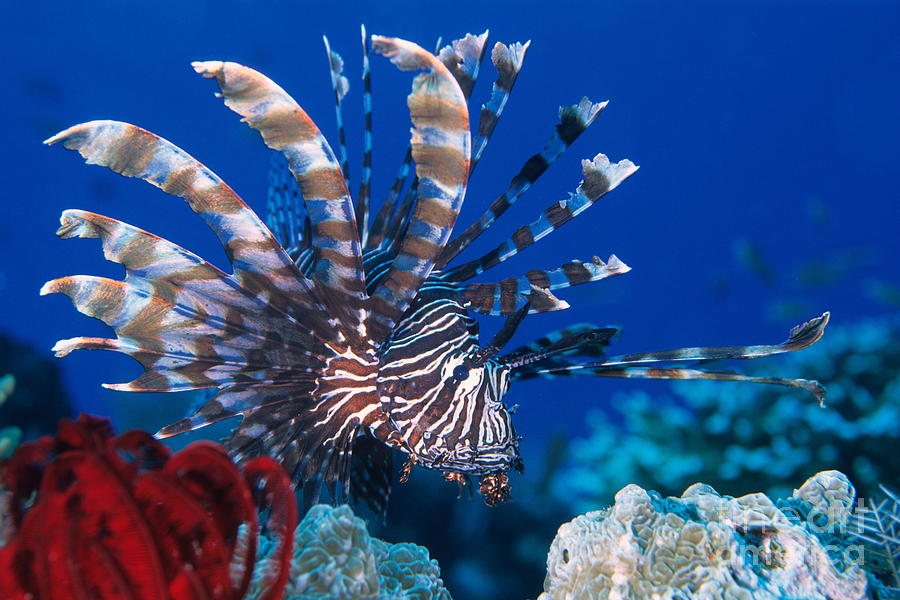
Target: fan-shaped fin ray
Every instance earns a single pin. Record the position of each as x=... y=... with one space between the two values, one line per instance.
x=371 y=472
x=284 y=126
x=508 y=61
x=237 y=400
x=440 y=148
x=181 y=347
x=195 y=287
x=256 y=256
x=573 y=120
x=600 y=177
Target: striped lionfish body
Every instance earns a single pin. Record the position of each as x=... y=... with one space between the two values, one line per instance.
x=339 y=341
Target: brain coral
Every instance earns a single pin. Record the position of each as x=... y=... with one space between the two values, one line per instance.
x=708 y=546
x=749 y=437
x=336 y=559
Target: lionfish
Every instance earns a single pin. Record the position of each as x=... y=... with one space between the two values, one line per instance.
x=339 y=340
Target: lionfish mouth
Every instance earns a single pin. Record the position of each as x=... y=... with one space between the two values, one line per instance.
x=324 y=307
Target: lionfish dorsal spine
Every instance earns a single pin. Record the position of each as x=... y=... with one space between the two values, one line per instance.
x=507 y=61
x=340 y=86
x=600 y=177
x=573 y=121
x=365 y=180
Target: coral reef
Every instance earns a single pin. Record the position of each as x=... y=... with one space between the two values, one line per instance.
x=9 y=436
x=91 y=515
x=704 y=545
x=879 y=532
x=753 y=437
x=335 y=558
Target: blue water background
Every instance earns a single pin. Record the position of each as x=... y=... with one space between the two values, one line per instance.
x=764 y=125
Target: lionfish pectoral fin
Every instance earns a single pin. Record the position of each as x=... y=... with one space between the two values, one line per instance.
x=584 y=339
x=285 y=127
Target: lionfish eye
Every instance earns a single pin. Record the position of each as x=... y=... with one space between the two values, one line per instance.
x=460 y=372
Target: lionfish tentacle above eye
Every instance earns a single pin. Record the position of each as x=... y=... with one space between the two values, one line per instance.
x=573 y=121
x=440 y=149
x=600 y=177
x=285 y=127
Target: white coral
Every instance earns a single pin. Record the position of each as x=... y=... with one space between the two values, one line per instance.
x=704 y=546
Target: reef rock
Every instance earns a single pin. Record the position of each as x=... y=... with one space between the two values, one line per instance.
x=708 y=546
x=335 y=558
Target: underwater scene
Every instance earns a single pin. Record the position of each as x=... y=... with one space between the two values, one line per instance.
x=346 y=354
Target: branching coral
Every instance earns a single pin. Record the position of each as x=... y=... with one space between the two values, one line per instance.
x=879 y=531
x=704 y=545
x=335 y=559
x=753 y=437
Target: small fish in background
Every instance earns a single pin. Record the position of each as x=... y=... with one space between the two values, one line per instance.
x=835 y=266
x=43 y=89
x=882 y=292
x=719 y=285
x=786 y=310
x=750 y=256
x=817 y=211
x=103 y=190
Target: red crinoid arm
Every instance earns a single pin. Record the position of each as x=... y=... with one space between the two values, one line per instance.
x=188 y=537
x=96 y=502
x=273 y=490
x=205 y=470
